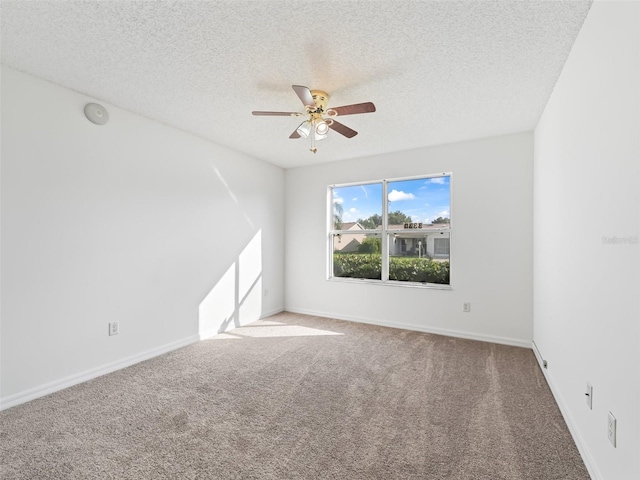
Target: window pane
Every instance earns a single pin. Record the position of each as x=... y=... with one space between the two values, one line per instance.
x=357 y=207
x=419 y=256
x=357 y=255
x=417 y=203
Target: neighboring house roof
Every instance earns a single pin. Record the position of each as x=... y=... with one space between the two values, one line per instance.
x=350 y=247
x=351 y=226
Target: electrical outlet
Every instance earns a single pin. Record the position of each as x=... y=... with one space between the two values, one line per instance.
x=114 y=328
x=466 y=307
x=611 y=428
x=588 y=395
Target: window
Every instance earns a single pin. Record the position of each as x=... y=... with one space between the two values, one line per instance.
x=392 y=231
x=441 y=247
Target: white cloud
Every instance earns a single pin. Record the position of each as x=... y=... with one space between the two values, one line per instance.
x=353 y=210
x=396 y=195
x=444 y=213
x=338 y=200
x=438 y=180
x=366 y=195
x=354 y=199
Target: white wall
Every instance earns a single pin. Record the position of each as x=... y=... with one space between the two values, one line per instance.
x=132 y=221
x=586 y=291
x=491 y=244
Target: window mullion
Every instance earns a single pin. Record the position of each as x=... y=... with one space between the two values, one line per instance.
x=384 y=245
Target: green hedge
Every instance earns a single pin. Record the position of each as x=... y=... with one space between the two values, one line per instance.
x=418 y=270
x=404 y=269
x=357 y=265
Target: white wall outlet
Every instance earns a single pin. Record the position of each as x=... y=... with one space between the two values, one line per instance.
x=466 y=307
x=114 y=328
x=588 y=395
x=611 y=428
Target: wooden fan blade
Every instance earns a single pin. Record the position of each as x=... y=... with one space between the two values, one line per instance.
x=295 y=134
x=342 y=129
x=366 y=107
x=305 y=95
x=276 y=114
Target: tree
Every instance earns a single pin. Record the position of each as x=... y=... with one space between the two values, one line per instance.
x=398 y=218
x=370 y=223
x=337 y=215
x=440 y=220
x=370 y=245
x=375 y=220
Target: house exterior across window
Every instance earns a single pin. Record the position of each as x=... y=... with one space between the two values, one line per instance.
x=430 y=241
x=351 y=241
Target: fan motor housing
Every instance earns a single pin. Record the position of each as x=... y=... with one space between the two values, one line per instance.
x=320 y=98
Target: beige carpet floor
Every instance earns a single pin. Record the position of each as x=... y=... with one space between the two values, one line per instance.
x=301 y=397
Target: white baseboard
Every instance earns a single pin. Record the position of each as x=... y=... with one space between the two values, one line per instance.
x=272 y=312
x=568 y=419
x=56 y=385
x=515 y=342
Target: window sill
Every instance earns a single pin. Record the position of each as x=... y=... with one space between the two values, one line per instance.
x=391 y=283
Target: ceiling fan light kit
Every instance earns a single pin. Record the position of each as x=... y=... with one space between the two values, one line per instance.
x=320 y=118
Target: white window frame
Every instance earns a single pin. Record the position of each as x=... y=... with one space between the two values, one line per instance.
x=385 y=234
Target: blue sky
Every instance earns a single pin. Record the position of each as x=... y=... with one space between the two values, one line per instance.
x=423 y=199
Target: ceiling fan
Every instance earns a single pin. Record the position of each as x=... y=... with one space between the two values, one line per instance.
x=320 y=118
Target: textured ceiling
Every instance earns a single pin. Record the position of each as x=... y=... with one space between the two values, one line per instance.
x=437 y=72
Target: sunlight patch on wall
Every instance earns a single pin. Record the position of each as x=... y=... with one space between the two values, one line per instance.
x=250 y=281
x=236 y=299
x=218 y=307
x=231 y=194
